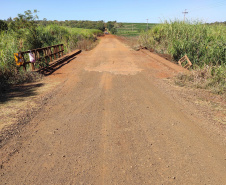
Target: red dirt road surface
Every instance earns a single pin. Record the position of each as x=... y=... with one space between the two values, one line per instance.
x=113 y=121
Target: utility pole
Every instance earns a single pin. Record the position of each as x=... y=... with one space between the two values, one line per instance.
x=185 y=12
x=147 y=24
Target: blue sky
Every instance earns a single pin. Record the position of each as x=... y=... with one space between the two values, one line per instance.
x=119 y=10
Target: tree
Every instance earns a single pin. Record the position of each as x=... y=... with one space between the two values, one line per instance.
x=111 y=26
x=3 y=25
x=26 y=27
x=26 y=20
x=44 y=22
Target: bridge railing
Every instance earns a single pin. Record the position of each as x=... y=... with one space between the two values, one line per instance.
x=42 y=56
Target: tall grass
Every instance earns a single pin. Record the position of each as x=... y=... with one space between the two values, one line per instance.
x=70 y=37
x=13 y=42
x=205 y=46
x=8 y=45
x=202 y=43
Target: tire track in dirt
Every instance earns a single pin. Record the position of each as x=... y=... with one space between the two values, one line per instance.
x=106 y=85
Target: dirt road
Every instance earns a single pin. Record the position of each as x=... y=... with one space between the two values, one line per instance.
x=110 y=123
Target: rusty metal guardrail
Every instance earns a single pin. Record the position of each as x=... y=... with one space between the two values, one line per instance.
x=48 y=54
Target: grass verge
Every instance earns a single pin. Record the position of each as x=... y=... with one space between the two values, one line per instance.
x=205 y=46
x=212 y=78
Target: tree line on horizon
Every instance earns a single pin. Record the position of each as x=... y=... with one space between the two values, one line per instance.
x=86 y=24
x=100 y=25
